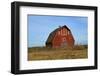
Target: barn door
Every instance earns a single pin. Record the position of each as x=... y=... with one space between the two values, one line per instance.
x=64 y=42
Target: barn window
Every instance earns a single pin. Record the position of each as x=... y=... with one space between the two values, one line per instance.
x=61 y=32
x=64 y=32
x=58 y=32
x=68 y=32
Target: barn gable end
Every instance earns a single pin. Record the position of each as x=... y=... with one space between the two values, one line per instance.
x=52 y=42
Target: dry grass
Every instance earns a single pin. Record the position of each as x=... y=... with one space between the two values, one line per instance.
x=44 y=53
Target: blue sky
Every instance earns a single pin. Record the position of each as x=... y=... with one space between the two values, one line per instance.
x=40 y=26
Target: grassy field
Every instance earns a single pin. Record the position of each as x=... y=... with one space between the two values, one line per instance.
x=44 y=53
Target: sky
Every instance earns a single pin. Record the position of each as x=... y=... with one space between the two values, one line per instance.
x=40 y=26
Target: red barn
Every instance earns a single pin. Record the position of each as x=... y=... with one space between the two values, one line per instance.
x=60 y=37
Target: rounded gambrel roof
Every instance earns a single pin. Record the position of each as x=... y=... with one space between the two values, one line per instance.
x=52 y=34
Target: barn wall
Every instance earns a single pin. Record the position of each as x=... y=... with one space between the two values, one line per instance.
x=57 y=40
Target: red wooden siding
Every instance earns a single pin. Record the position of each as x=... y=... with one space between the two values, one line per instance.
x=61 y=37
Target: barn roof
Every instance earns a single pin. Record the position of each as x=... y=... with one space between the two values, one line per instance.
x=52 y=34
